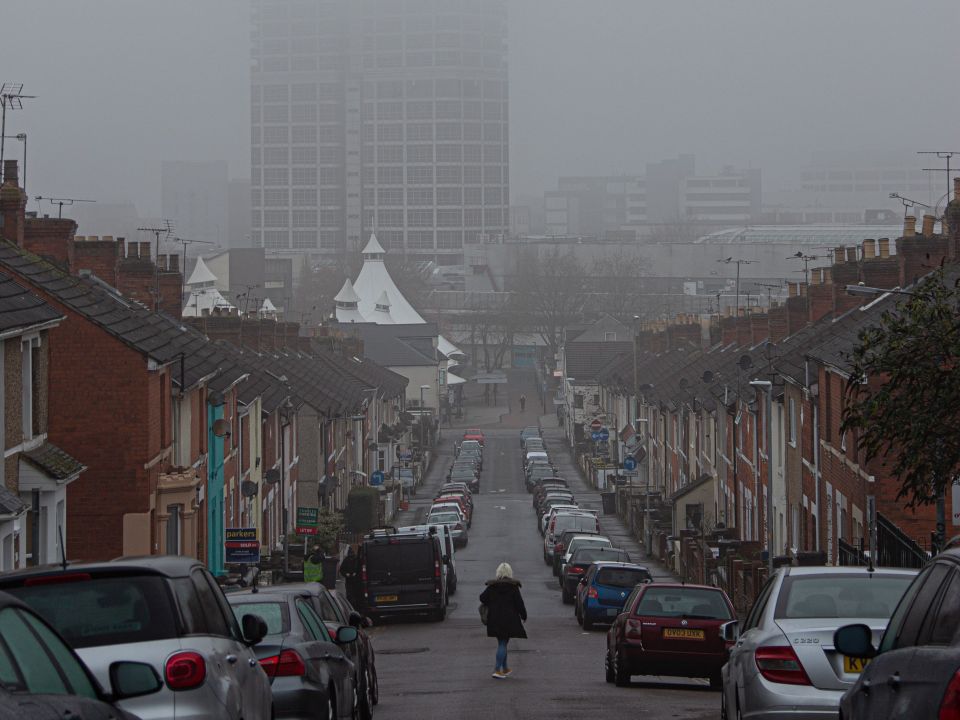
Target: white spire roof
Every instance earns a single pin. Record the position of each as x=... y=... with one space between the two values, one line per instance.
x=268 y=307
x=201 y=274
x=374 y=247
x=381 y=314
x=347 y=295
x=205 y=299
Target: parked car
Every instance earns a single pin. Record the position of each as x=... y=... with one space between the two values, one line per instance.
x=455 y=500
x=551 y=510
x=453 y=519
x=335 y=610
x=447 y=547
x=545 y=485
x=162 y=610
x=572 y=572
x=600 y=595
x=529 y=432
x=475 y=434
x=669 y=629
x=566 y=520
x=578 y=541
x=535 y=455
x=471 y=452
x=538 y=473
x=784 y=653
x=402 y=574
x=912 y=672
x=310 y=675
x=44 y=679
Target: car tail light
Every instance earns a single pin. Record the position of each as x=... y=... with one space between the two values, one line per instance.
x=286 y=664
x=780 y=664
x=634 y=630
x=576 y=569
x=363 y=572
x=558 y=548
x=56 y=579
x=436 y=568
x=950 y=705
x=458 y=526
x=185 y=670
x=592 y=593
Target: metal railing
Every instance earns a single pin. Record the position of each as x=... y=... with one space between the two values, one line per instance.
x=896 y=549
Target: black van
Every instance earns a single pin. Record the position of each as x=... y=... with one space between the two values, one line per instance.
x=402 y=573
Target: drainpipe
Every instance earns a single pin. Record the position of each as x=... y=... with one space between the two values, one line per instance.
x=816 y=457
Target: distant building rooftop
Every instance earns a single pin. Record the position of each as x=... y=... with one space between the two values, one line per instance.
x=816 y=235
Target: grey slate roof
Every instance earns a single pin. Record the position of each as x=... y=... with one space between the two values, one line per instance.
x=21 y=309
x=399 y=345
x=55 y=462
x=10 y=504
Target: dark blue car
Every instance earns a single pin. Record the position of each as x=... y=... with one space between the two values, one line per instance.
x=604 y=589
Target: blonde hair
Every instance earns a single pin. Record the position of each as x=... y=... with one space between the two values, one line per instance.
x=504 y=571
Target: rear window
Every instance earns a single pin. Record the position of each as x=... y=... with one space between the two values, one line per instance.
x=275 y=614
x=621 y=577
x=840 y=596
x=596 y=554
x=105 y=610
x=683 y=602
x=574 y=522
x=385 y=558
x=445 y=517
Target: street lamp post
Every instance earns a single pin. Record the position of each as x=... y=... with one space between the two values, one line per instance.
x=768 y=386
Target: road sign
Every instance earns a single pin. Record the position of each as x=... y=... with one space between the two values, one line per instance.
x=595 y=436
x=307 y=516
x=629 y=464
x=596 y=425
x=376 y=477
x=241 y=546
x=604 y=435
x=306 y=530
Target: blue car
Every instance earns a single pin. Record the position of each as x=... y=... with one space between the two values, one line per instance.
x=604 y=589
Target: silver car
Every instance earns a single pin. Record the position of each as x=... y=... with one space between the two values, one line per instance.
x=165 y=611
x=783 y=663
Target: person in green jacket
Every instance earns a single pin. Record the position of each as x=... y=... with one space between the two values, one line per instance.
x=313 y=565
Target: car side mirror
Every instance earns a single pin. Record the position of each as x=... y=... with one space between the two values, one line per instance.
x=345 y=634
x=254 y=629
x=133 y=679
x=730 y=631
x=854 y=641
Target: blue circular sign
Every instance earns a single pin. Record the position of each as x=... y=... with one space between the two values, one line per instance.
x=376 y=477
x=629 y=463
x=604 y=435
x=595 y=436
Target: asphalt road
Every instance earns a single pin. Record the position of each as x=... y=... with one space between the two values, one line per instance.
x=442 y=670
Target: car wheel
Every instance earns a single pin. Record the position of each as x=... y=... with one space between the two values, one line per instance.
x=440 y=614
x=331 y=709
x=374 y=685
x=365 y=709
x=716 y=681
x=621 y=676
x=587 y=622
x=567 y=597
x=723 y=706
x=608 y=667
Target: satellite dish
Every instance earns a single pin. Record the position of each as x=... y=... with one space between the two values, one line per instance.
x=271 y=476
x=707 y=376
x=221 y=428
x=745 y=362
x=248 y=489
x=683 y=383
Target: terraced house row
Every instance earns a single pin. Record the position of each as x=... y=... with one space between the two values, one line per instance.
x=682 y=404
x=130 y=430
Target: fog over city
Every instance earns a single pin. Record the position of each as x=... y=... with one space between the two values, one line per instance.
x=595 y=87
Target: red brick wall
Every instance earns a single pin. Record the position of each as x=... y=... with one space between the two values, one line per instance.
x=51 y=239
x=99 y=256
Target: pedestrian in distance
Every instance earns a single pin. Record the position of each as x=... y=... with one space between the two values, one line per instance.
x=523 y=402
x=506 y=614
x=350 y=570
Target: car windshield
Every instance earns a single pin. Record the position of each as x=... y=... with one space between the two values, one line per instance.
x=622 y=577
x=860 y=595
x=443 y=518
x=104 y=610
x=684 y=602
x=275 y=614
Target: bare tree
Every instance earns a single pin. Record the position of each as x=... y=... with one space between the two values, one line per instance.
x=617 y=278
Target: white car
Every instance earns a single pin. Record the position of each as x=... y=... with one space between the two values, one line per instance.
x=453 y=519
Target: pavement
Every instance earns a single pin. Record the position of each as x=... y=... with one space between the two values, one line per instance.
x=442 y=670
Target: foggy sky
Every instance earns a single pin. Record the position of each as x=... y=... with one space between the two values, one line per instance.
x=596 y=86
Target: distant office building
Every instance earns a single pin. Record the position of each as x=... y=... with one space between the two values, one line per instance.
x=238 y=213
x=194 y=196
x=387 y=116
x=631 y=207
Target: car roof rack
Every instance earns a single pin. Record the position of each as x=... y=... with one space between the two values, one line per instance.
x=382 y=530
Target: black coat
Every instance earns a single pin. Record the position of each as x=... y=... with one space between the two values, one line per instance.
x=505 y=609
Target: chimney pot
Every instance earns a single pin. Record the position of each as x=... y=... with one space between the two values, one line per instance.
x=928 y=222
x=815 y=276
x=956 y=189
x=107 y=238
x=909 y=226
x=174 y=263
x=838 y=255
x=145 y=251
x=10 y=174
x=869 y=249
x=852 y=254
x=884 y=247
x=827 y=275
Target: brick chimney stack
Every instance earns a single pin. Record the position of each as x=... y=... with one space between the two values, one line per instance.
x=13 y=204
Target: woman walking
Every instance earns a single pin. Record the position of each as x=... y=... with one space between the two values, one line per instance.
x=505 y=614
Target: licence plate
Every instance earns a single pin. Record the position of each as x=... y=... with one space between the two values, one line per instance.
x=612 y=612
x=683 y=634
x=386 y=598
x=854 y=665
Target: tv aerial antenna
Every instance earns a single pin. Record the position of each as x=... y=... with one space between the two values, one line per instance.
x=943 y=155
x=60 y=202
x=188 y=241
x=11 y=97
x=165 y=229
x=801 y=255
x=907 y=202
x=770 y=288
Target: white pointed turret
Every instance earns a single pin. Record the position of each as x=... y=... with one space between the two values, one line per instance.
x=374 y=250
x=201 y=274
x=268 y=309
x=346 y=304
x=381 y=311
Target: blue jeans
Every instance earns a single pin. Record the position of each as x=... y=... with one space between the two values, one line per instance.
x=502 y=653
